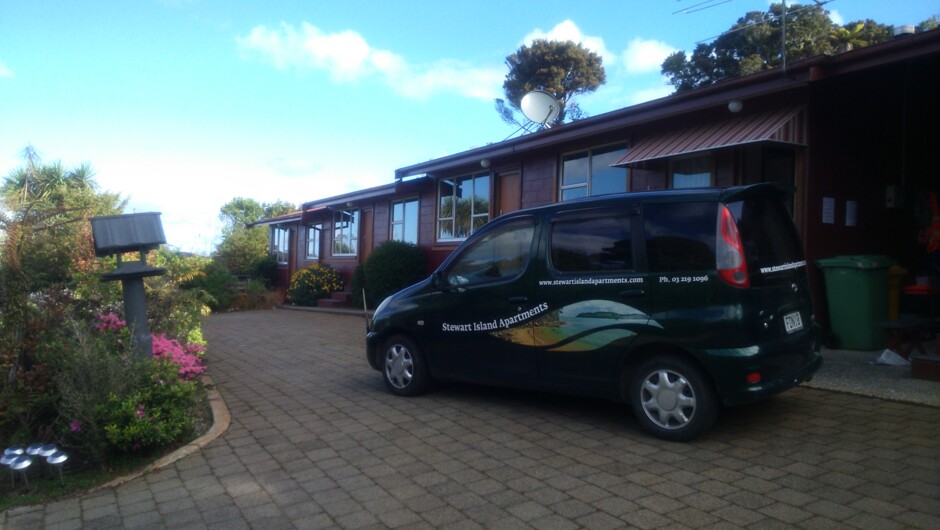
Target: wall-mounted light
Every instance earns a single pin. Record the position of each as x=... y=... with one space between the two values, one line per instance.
x=735 y=105
x=485 y=163
x=350 y=204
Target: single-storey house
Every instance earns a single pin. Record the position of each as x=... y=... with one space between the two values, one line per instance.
x=853 y=132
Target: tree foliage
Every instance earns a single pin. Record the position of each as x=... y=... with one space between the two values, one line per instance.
x=45 y=211
x=753 y=44
x=563 y=69
x=244 y=249
x=237 y=213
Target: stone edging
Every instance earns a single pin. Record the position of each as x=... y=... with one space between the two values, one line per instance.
x=221 y=419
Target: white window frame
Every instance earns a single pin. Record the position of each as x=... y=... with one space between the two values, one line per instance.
x=590 y=154
x=474 y=215
x=280 y=243
x=313 y=241
x=340 y=230
x=403 y=223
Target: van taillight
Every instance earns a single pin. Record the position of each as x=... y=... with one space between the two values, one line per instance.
x=732 y=267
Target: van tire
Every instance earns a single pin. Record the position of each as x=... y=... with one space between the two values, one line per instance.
x=404 y=368
x=672 y=398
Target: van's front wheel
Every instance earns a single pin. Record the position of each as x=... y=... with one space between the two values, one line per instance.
x=403 y=367
x=673 y=399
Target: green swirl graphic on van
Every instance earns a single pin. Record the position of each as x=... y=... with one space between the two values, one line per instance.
x=583 y=326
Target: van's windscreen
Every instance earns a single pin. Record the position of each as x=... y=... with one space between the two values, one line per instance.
x=771 y=244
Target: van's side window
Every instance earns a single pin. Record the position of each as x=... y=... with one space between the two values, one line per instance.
x=680 y=236
x=499 y=255
x=599 y=244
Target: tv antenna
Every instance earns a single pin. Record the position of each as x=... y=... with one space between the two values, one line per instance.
x=540 y=108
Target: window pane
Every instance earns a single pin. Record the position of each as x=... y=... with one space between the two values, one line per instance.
x=606 y=179
x=573 y=193
x=481 y=195
x=397 y=212
x=769 y=239
x=446 y=195
x=445 y=229
x=592 y=245
x=345 y=232
x=574 y=169
x=692 y=172
x=680 y=238
x=469 y=202
x=313 y=241
x=501 y=254
x=411 y=222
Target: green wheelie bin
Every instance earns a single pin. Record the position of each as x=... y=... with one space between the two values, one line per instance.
x=857 y=292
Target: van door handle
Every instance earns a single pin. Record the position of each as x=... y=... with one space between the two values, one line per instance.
x=632 y=293
x=518 y=299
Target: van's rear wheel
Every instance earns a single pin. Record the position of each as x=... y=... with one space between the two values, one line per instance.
x=404 y=368
x=672 y=398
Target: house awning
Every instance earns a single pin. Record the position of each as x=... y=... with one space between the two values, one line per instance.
x=784 y=125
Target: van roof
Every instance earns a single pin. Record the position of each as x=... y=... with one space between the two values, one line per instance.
x=723 y=195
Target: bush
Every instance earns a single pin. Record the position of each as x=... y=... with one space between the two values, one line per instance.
x=265 y=270
x=391 y=267
x=110 y=402
x=216 y=281
x=313 y=283
x=157 y=414
x=357 y=283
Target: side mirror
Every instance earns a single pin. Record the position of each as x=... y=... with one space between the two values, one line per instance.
x=439 y=281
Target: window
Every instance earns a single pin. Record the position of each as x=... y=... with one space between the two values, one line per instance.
x=680 y=237
x=463 y=206
x=405 y=221
x=501 y=254
x=597 y=244
x=589 y=173
x=769 y=239
x=313 y=241
x=692 y=172
x=280 y=243
x=345 y=232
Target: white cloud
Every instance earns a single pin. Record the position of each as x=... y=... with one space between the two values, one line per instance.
x=836 y=17
x=568 y=30
x=5 y=71
x=346 y=56
x=645 y=56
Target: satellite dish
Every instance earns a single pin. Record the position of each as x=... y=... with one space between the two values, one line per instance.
x=540 y=107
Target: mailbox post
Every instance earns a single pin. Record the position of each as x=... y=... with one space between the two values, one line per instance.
x=119 y=234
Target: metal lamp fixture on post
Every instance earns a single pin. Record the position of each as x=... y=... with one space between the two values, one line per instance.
x=115 y=235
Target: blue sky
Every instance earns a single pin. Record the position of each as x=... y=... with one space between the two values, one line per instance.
x=182 y=105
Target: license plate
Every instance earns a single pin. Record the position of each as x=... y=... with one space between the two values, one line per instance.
x=793 y=322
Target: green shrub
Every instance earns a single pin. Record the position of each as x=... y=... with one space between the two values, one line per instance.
x=357 y=283
x=391 y=267
x=218 y=283
x=313 y=283
x=156 y=414
x=265 y=270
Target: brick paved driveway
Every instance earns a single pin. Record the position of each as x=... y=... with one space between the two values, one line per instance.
x=315 y=441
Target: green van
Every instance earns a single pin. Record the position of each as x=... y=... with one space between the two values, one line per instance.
x=678 y=302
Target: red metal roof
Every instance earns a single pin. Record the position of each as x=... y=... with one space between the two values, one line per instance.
x=784 y=125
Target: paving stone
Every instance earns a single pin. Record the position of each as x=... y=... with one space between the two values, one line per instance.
x=315 y=441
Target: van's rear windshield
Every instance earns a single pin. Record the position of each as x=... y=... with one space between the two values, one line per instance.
x=772 y=247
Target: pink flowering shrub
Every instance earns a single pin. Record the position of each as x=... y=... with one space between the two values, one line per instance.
x=109 y=322
x=187 y=357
